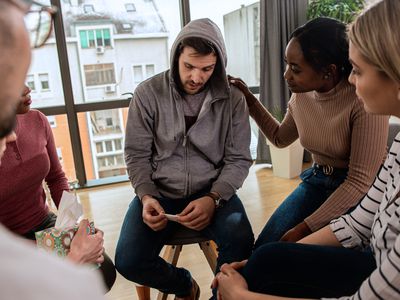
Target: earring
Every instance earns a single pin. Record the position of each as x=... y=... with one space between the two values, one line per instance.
x=326 y=76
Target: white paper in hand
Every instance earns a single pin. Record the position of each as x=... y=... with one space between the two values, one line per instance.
x=172 y=217
x=69 y=211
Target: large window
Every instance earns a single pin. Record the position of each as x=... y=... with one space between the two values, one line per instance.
x=103 y=51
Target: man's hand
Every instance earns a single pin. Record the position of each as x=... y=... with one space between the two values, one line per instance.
x=153 y=213
x=296 y=233
x=198 y=214
x=86 y=247
x=231 y=284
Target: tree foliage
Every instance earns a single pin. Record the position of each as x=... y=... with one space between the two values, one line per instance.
x=343 y=10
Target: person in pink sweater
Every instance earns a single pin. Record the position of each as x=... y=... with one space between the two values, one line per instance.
x=26 y=162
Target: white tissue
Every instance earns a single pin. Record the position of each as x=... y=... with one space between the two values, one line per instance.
x=69 y=211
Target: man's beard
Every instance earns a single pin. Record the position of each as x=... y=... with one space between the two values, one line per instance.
x=7 y=124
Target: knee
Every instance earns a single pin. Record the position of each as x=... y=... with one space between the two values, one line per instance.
x=268 y=257
x=237 y=237
x=128 y=263
x=238 y=229
x=264 y=265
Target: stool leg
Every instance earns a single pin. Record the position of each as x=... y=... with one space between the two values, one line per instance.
x=210 y=252
x=143 y=292
x=171 y=254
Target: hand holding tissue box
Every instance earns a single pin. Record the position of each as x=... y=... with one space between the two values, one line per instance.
x=58 y=238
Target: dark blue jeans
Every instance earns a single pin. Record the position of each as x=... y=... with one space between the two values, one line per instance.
x=137 y=254
x=307 y=271
x=311 y=193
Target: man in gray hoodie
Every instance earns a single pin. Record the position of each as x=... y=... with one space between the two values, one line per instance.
x=187 y=152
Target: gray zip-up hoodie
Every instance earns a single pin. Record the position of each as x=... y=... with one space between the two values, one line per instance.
x=162 y=159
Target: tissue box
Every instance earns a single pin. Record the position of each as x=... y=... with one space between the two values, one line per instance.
x=59 y=241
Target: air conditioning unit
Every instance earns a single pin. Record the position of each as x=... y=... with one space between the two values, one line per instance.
x=109 y=89
x=100 y=50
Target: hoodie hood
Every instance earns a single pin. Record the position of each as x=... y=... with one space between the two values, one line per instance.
x=208 y=30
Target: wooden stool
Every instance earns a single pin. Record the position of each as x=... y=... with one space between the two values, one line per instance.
x=182 y=236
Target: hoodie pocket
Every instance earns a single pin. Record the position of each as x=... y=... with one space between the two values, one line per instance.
x=169 y=176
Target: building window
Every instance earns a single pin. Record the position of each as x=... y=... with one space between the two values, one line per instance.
x=120 y=161
x=52 y=121
x=95 y=38
x=99 y=74
x=137 y=74
x=142 y=72
x=44 y=82
x=118 y=144
x=30 y=81
x=130 y=7
x=109 y=122
x=109 y=147
x=88 y=8
x=149 y=71
x=99 y=147
x=110 y=162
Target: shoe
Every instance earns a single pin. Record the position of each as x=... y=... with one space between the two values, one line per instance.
x=194 y=293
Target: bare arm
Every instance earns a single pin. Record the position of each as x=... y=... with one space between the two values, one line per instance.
x=324 y=237
x=280 y=134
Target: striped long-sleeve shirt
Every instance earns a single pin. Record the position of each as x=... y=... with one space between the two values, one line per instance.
x=336 y=129
x=376 y=222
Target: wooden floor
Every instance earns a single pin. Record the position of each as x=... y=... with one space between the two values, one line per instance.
x=261 y=194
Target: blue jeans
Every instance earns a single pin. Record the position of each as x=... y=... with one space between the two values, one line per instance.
x=307 y=271
x=312 y=192
x=137 y=254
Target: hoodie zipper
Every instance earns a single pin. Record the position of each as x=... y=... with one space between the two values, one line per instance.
x=186 y=156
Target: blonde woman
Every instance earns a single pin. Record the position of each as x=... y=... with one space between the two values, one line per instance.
x=335 y=261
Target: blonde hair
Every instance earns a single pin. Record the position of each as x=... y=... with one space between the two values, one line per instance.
x=376 y=34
